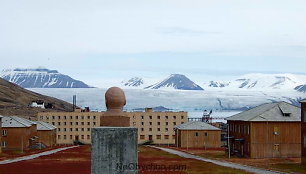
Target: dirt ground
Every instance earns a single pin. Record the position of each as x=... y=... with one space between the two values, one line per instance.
x=77 y=161
x=290 y=165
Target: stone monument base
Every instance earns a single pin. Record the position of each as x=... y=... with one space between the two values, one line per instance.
x=114 y=150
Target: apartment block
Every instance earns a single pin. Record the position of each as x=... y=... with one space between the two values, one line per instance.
x=157 y=127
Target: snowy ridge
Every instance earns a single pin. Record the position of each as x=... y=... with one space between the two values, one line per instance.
x=176 y=81
x=40 y=78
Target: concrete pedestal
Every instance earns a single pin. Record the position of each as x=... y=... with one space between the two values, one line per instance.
x=114 y=150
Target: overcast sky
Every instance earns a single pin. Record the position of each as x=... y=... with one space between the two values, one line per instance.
x=98 y=39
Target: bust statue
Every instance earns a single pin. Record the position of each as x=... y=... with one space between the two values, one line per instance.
x=114 y=116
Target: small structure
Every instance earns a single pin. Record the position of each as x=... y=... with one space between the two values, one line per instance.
x=114 y=148
x=197 y=134
x=37 y=104
x=46 y=133
x=268 y=131
x=18 y=133
x=303 y=130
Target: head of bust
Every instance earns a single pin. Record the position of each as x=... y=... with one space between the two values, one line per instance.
x=115 y=99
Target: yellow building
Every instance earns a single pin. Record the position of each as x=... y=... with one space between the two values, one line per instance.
x=152 y=126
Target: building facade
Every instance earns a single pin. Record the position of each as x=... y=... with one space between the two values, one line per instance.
x=1 y=132
x=197 y=134
x=267 y=131
x=157 y=127
x=303 y=130
x=18 y=133
x=46 y=133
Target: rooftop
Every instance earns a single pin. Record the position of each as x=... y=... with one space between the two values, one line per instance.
x=14 y=121
x=280 y=112
x=196 y=125
x=44 y=126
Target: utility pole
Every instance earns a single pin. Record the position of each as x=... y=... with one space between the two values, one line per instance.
x=228 y=143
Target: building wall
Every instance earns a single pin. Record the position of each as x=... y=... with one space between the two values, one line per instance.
x=275 y=139
x=240 y=130
x=19 y=138
x=0 y=134
x=199 y=138
x=72 y=126
x=155 y=126
x=47 y=137
x=303 y=132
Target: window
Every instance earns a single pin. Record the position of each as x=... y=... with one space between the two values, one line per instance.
x=174 y=117
x=196 y=134
x=82 y=137
x=71 y=123
x=174 y=123
x=88 y=137
x=88 y=123
x=71 y=129
x=47 y=118
x=150 y=129
x=70 y=137
x=166 y=117
x=71 y=117
x=82 y=123
x=142 y=117
x=53 y=117
x=150 y=117
x=158 y=137
x=304 y=116
x=94 y=117
x=76 y=129
x=150 y=123
x=166 y=137
x=77 y=117
x=53 y=123
x=286 y=114
x=88 y=129
x=65 y=137
x=58 y=136
x=276 y=131
x=82 y=129
x=158 y=123
x=182 y=122
x=276 y=147
x=166 y=129
x=41 y=117
x=142 y=123
x=59 y=123
x=182 y=117
x=65 y=117
x=88 y=117
x=173 y=137
x=59 y=129
x=158 y=129
x=158 y=117
x=65 y=123
x=166 y=123
x=94 y=123
x=76 y=123
x=142 y=137
x=142 y=129
x=3 y=144
x=304 y=140
x=205 y=134
x=59 y=117
x=65 y=129
x=82 y=117
x=4 y=132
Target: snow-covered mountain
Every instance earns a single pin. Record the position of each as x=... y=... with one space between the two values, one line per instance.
x=176 y=81
x=133 y=82
x=262 y=82
x=41 y=78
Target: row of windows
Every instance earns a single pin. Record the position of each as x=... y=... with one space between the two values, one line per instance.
x=3 y=144
x=158 y=117
x=71 y=137
x=4 y=133
x=158 y=129
x=158 y=137
x=65 y=117
x=71 y=129
x=71 y=123
x=196 y=134
x=158 y=123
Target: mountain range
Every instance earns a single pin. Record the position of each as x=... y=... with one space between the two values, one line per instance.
x=41 y=78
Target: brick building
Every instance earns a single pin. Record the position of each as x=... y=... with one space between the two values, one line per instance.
x=197 y=134
x=18 y=133
x=46 y=133
x=152 y=126
x=268 y=131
